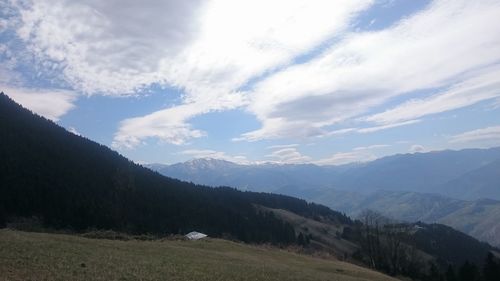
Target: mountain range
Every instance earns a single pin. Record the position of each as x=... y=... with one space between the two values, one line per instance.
x=467 y=174
x=458 y=188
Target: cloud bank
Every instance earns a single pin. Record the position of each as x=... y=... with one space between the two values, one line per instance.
x=449 y=44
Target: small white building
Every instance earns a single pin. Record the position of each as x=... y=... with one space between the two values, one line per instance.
x=195 y=235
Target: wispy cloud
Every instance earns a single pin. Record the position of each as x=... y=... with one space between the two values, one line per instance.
x=289 y=155
x=342 y=158
x=292 y=155
x=51 y=104
x=232 y=48
x=279 y=146
x=482 y=86
x=375 y=146
x=425 y=51
x=417 y=148
x=489 y=135
x=495 y=104
x=388 y=126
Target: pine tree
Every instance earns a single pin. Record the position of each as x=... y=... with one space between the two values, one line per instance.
x=491 y=269
x=450 y=274
x=468 y=272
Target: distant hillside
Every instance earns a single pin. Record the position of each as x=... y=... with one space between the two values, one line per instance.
x=479 y=218
x=483 y=182
x=70 y=182
x=420 y=172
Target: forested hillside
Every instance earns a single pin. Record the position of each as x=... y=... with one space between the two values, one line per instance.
x=70 y=182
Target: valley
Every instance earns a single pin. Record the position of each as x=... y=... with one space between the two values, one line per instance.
x=456 y=188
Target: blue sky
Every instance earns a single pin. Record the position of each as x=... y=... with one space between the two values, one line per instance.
x=325 y=82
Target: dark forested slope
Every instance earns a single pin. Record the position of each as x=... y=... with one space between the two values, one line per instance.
x=68 y=181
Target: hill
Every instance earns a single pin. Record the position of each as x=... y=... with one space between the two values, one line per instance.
x=419 y=243
x=27 y=256
x=70 y=182
x=478 y=218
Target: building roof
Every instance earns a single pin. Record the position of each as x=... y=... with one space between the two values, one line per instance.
x=195 y=235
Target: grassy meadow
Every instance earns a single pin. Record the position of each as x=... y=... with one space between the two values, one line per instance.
x=42 y=256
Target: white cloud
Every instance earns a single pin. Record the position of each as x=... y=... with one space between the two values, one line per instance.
x=283 y=146
x=74 y=131
x=111 y=47
x=388 y=126
x=51 y=104
x=289 y=155
x=484 y=86
x=168 y=125
x=370 y=147
x=208 y=153
x=417 y=148
x=489 y=136
x=342 y=158
x=233 y=47
x=208 y=49
x=437 y=47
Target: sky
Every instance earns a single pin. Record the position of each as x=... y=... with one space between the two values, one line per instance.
x=327 y=82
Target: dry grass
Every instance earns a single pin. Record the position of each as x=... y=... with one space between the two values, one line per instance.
x=41 y=256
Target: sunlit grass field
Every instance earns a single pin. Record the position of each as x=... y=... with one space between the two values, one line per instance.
x=41 y=256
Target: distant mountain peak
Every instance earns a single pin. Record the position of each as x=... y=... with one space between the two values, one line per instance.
x=208 y=163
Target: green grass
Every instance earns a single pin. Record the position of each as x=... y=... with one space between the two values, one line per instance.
x=41 y=256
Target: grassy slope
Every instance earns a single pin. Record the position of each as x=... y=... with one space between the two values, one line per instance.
x=40 y=256
x=323 y=233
